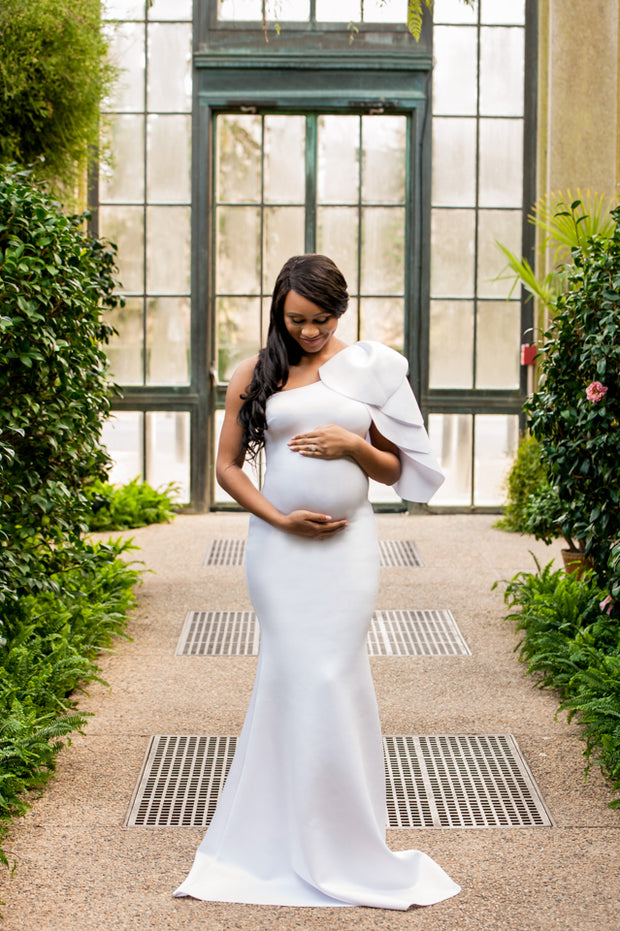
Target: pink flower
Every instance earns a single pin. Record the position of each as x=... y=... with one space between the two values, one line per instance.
x=595 y=391
x=607 y=604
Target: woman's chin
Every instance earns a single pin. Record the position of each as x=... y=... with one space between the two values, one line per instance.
x=313 y=346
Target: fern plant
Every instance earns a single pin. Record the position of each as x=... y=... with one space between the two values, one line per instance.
x=136 y=504
x=48 y=653
x=572 y=646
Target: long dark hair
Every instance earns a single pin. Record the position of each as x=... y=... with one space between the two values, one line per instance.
x=316 y=278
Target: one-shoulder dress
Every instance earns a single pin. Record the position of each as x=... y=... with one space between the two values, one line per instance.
x=302 y=818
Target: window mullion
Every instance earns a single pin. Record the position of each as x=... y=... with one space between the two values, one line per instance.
x=311 y=181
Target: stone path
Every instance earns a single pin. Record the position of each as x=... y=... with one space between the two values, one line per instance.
x=80 y=869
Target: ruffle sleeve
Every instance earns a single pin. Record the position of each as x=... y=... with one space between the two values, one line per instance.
x=377 y=376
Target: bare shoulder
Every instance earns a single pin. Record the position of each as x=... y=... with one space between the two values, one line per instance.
x=241 y=378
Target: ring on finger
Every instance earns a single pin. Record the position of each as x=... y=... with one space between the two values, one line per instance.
x=313 y=448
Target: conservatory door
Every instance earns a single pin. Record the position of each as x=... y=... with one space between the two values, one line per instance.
x=288 y=183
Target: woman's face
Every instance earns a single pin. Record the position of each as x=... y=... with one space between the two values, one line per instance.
x=309 y=326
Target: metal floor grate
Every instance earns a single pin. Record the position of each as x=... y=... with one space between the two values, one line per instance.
x=432 y=781
x=392 y=633
x=219 y=633
x=478 y=781
x=424 y=632
x=399 y=553
x=225 y=553
x=181 y=781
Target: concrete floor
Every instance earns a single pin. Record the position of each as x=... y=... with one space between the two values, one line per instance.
x=79 y=869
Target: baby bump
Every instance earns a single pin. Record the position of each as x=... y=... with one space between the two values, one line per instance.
x=332 y=486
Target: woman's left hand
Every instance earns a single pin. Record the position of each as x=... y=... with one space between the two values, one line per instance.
x=327 y=442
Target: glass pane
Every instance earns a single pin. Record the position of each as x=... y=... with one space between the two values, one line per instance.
x=451 y=441
x=124 y=351
x=170 y=67
x=502 y=11
x=125 y=227
x=168 y=159
x=167 y=450
x=283 y=237
x=452 y=253
x=498 y=337
x=454 y=162
x=238 y=332
x=378 y=11
x=337 y=237
x=338 y=159
x=501 y=163
x=122 y=437
x=171 y=9
x=127 y=49
x=285 y=167
x=238 y=250
x=382 y=494
x=497 y=436
x=342 y=12
x=455 y=71
x=451 y=350
x=291 y=11
x=454 y=11
x=502 y=71
x=168 y=250
x=124 y=181
x=240 y=10
x=250 y=470
x=497 y=226
x=383 y=319
x=238 y=158
x=123 y=9
x=383 y=159
x=167 y=341
x=348 y=324
x=383 y=247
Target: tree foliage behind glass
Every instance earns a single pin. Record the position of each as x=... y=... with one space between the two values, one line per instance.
x=54 y=74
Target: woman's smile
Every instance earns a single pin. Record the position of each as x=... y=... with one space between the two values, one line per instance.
x=307 y=323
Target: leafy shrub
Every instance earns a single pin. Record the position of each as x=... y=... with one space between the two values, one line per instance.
x=61 y=598
x=573 y=646
x=55 y=282
x=526 y=477
x=54 y=74
x=120 y=507
x=575 y=414
x=47 y=652
x=542 y=515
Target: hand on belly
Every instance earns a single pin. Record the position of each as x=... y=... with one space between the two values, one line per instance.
x=327 y=442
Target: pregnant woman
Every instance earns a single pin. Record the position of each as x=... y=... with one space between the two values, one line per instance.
x=302 y=817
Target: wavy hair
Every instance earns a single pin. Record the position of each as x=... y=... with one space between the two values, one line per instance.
x=319 y=280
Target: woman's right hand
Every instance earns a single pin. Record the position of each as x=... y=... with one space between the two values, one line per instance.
x=308 y=524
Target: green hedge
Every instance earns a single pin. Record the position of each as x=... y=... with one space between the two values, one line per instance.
x=572 y=645
x=49 y=651
x=56 y=282
x=61 y=597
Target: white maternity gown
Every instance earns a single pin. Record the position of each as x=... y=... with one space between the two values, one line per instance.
x=301 y=820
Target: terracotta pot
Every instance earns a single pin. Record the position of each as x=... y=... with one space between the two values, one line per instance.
x=575 y=561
